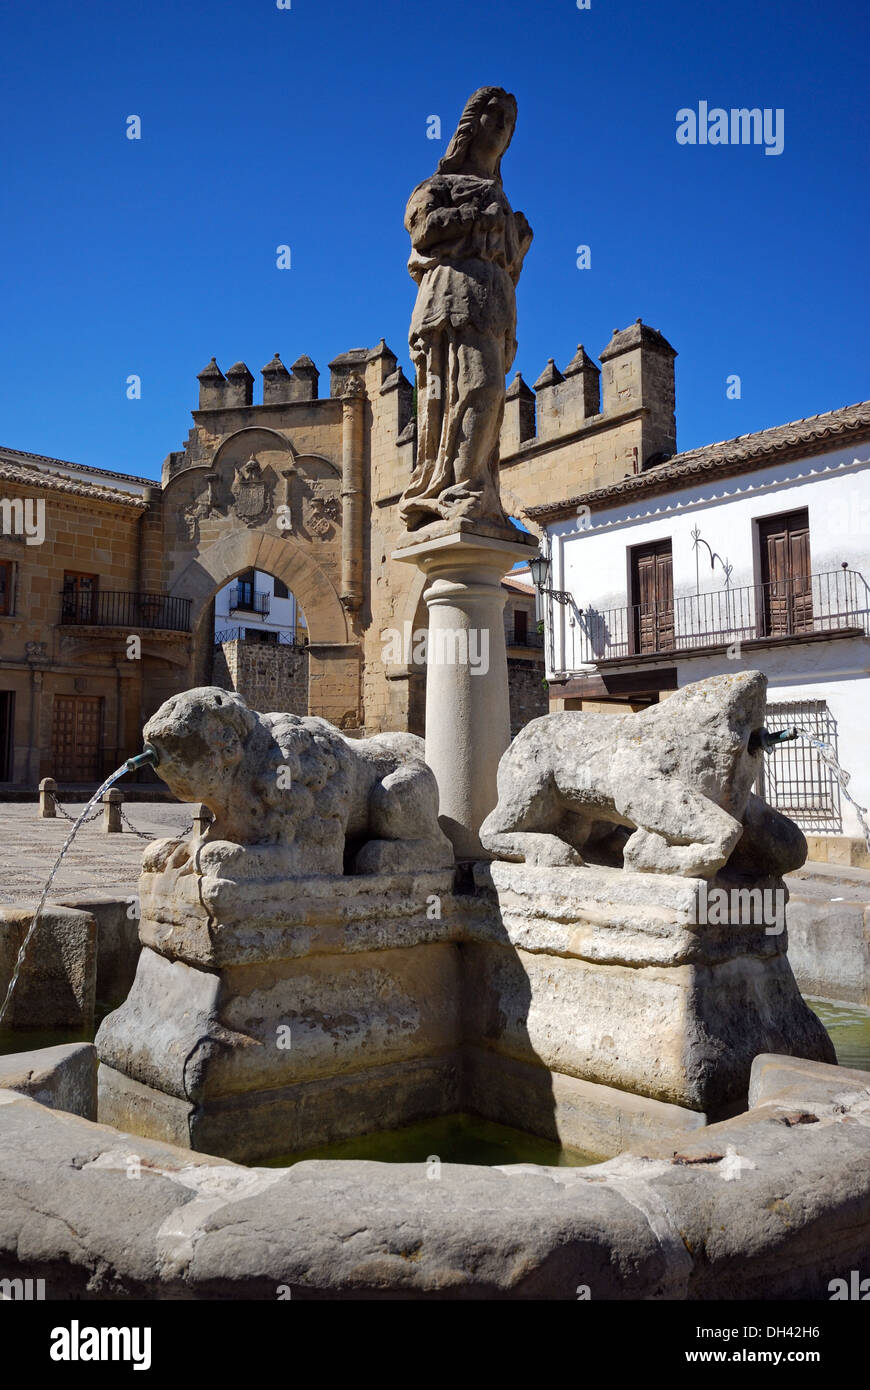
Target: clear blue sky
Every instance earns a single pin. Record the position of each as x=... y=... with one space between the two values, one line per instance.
x=307 y=127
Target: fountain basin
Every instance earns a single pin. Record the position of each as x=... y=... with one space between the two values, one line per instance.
x=772 y=1204
x=585 y=1006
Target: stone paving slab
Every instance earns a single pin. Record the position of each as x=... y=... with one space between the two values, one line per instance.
x=95 y=861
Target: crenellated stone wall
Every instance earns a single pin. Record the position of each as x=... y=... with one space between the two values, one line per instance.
x=305 y=488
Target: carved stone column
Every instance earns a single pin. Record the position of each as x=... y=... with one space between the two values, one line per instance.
x=467 y=705
x=352 y=429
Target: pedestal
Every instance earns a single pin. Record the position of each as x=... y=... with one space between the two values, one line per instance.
x=467 y=708
x=273 y=1016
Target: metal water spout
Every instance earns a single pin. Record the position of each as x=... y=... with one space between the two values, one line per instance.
x=147 y=758
x=766 y=741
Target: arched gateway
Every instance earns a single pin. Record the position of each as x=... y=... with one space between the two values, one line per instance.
x=260 y=498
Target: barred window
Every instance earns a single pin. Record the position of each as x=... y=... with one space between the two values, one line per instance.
x=794 y=778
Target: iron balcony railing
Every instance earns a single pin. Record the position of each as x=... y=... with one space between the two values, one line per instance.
x=244 y=598
x=289 y=637
x=117 y=608
x=801 y=606
x=525 y=639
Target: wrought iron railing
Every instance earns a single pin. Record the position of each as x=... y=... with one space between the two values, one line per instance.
x=801 y=606
x=243 y=597
x=117 y=608
x=525 y=639
x=289 y=637
x=793 y=777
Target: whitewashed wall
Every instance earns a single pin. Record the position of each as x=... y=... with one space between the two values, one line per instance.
x=283 y=612
x=593 y=564
x=835 y=488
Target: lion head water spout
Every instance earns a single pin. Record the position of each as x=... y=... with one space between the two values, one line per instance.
x=148 y=757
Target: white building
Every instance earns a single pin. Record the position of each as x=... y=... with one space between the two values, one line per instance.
x=752 y=553
x=257 y=608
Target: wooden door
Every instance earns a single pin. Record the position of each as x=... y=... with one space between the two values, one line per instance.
x=77 y=738
x=5 y=586
x=787 y=599
x=7 y=733
x=653 y=597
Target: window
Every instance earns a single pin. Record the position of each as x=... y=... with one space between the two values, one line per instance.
x=521 y=626
x=79 y=597
x=280 y=589
x=794 y=778
x=243 y=594
x=5 y=587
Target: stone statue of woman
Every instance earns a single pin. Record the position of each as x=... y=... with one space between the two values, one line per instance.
x=468 y=249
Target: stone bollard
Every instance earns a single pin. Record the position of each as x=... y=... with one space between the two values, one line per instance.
x=202 y=819
x=112 y=811
x=47 y=808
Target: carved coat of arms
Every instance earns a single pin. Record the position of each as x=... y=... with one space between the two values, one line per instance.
x=199 y=509
x=252 y=493
x=322 y=511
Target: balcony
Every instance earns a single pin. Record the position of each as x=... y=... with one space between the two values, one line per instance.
x=519 y=638
x=129 y=611
x=245 y=599
x=806 y=607
x=289 y=637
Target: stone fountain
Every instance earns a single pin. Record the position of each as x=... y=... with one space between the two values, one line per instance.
x=311 y=969
x=310 y=972
x=581 y=935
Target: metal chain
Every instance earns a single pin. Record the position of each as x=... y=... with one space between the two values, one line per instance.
x=66 y=815
x=144 y=834
x=140 y=834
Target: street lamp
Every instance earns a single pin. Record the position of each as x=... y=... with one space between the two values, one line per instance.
x=539 y=568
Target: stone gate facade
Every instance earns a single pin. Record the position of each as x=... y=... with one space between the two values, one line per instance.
x=302 y=486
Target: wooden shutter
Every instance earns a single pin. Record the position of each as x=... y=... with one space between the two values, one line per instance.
x=787 y=599
x=653 y=597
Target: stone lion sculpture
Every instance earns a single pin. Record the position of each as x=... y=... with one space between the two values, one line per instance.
x=291 y=795
x=667 y=790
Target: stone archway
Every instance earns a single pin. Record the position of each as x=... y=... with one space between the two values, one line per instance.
x=333 y=652
x=239 y=550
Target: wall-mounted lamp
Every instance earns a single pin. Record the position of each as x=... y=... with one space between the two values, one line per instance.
x=539 y=568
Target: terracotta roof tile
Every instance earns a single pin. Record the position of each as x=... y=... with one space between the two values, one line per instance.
x=26 y=458
x=814 y=435
x=54 y=482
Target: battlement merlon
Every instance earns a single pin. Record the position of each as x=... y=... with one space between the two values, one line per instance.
x=634 y=384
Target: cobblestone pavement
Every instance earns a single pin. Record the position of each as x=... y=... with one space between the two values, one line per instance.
x=95 y=861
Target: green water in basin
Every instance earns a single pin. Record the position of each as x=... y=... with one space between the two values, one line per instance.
x=849 y=1029
x=452 y=1139
x=466 y=1138
x=29 y=1039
